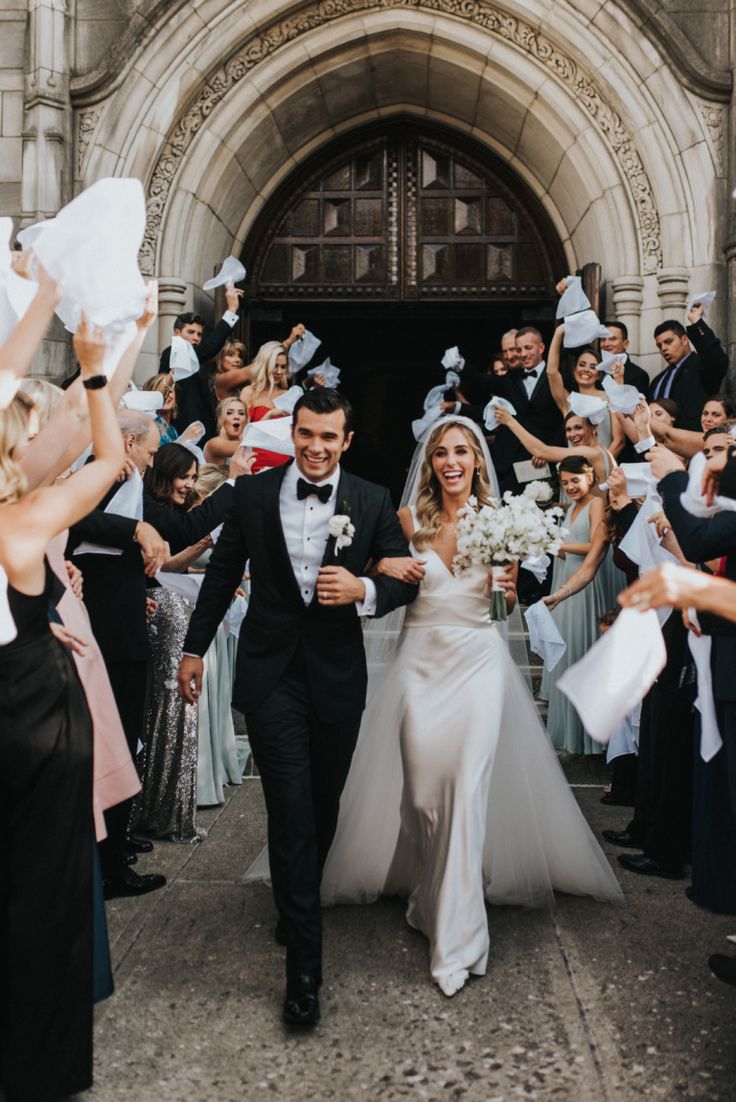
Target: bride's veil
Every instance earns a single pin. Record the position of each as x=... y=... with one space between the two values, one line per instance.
x=381 y=637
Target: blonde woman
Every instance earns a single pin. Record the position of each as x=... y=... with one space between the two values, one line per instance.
x=269 y=381
x=455 y=796
x=164 y=384
x=231 y=371
x=231 y=421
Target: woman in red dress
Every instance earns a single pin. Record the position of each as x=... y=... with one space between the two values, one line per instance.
x=269 y=381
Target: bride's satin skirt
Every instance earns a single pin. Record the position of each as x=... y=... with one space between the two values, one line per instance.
x=455 y=796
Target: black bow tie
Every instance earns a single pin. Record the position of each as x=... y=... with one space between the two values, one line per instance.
x=530 y=371
x=304 y=489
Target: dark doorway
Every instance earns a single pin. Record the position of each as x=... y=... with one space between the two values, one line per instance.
x=392 y=244
x=389 y=356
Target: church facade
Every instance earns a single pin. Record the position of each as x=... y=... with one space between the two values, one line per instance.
x=389 y=162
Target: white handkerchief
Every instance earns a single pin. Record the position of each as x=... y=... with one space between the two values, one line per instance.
x=436 y=395
x=192 y=447
x=573 y=298
x=692 y=498
x=301 y=351
x=234 y=616
x=710 y=737
x=286 y=402
x=185 y=585
x=489 y=413
x=423 y=424
x=273 y=435
x=584 y=405
x=126 y=502
x=452 y=359
x=183 y=362
x=616 y=673
x=580 y=328
x=330 y=372
x=145 y=401
x=705 y=300
x=625 y=739
x=232 y=271
x=640 y=482
x=603 y=332
x=8 y=630
x=608 y=363
x=91 y=248
x=641 y=543
x=30 y=234
x=537 y=566
x=544 y=636
x=117 y=342
x=194 y=437
x=20 y=291
x=621 y=398
x=9 y=384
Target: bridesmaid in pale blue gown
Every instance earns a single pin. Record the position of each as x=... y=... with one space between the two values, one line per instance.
x=577 y=616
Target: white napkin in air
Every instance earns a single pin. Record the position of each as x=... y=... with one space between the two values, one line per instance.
x=273 y=435
x=692 y=498
x=608 y=363
x=537 y=566
x=584 y=405
x=621 y=397
x=616 y=673
x=436 y=395
x=452 y=360
x=573 y=299
x=145 y=401
x=544 y=635
x=705 y=300
x=287 y=401
x=185 y=585
x=489 y=413
x=330 y=372
x=640 y=482
x=183 y=361
x=232 y=271
x=301 y=351
x=582 y=328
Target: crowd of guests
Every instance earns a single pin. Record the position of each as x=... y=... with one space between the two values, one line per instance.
x=113 y=498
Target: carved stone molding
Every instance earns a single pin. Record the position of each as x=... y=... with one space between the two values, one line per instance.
x=264 y=43
x=714 y=120
x=86 y=126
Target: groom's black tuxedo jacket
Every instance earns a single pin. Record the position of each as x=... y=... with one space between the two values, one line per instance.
x=277 y=621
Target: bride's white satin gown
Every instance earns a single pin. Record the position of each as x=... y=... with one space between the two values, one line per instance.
x=455 y=795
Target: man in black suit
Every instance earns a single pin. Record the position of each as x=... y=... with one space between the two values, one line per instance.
x=689 y=378
x=194 y=397
x=527 y=388
x=301 y=670
x=618 y=345
x=115 y=596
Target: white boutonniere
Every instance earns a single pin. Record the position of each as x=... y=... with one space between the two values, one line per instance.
x=342 y=531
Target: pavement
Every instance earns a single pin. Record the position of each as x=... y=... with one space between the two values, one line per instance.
x=586 y=1002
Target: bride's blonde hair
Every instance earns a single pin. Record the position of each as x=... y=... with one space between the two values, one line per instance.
x=13 y=438
x=428 y=507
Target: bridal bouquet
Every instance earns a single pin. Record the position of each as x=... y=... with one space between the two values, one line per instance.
x=507 y=531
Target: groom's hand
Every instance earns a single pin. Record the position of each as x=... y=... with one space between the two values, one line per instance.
x=190 y=678
x=337 y=586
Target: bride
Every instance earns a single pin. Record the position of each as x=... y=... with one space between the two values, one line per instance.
x=455 y=795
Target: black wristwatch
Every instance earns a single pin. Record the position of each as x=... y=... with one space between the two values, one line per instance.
x=95 y=382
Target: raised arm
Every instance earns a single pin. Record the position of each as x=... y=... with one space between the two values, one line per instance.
x=713 y=358
x=701 y=539
x=16 y=354
x=554 y=375
x=537 y=447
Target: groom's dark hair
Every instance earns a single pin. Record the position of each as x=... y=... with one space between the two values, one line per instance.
x=322 y=399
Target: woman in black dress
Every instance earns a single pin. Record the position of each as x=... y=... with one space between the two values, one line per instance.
x=46 y=826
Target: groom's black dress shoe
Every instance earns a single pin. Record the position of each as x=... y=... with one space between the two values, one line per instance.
x=301 y=1007
x=647 y=866
x=621 y=838
x=127 y=882
x=280 y=935
x=138 y=845
x=723 y=967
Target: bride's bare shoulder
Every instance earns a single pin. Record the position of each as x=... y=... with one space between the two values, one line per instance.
x=406 y=520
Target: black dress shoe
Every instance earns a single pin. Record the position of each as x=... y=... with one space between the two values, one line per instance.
x=126 y=881
x=280 y=934
x=647 y=866
x=301 y=1007
x=138 y=845
x=611 y=801
x=621 y=838
x=723 y=967
x=129 y=857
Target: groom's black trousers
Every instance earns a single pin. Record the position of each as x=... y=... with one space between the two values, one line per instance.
x=303 y=764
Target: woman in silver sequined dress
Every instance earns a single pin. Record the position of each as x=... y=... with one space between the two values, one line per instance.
x=168 y=802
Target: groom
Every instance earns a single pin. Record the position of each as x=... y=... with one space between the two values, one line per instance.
x=301 y=671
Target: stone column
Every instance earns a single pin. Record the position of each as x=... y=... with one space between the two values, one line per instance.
x=628 y=296
x=730 y=253
x=172 y=301
x=672 y=289
x=47 y=125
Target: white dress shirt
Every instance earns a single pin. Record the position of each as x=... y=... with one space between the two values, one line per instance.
x=306 y=532
x=530 y=380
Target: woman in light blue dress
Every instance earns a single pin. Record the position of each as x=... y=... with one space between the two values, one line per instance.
x=577 y=616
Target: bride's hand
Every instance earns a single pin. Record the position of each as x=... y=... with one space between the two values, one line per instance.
x=503 y=577
x=406 y=569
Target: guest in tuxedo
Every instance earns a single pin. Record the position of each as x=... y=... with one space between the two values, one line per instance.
x=195 y=397
x=301 y=670
x=689 y=376
x=527 y=388
x=115 y=595
x=618 y=345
